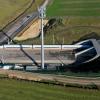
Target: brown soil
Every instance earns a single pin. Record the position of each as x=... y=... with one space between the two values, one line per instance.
x=32 y=32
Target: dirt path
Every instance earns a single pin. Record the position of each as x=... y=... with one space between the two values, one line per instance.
x=32 y=32
x=49 y=77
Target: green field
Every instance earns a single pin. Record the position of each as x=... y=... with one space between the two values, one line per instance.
x=80 y=19
x=74 y=8
x=22 y=90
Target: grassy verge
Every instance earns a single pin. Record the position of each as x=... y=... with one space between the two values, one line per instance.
x=17 y=90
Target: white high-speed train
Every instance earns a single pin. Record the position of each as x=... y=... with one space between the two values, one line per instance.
x=45 y=46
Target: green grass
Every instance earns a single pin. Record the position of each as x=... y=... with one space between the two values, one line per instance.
x=74 y=8
x=21 y=90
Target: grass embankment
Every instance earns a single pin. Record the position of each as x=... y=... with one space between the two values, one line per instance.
x=10 y=9
x=22 y=90
x=68 y=30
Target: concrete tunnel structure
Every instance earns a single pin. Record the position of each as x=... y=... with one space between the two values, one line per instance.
x=87 y=55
